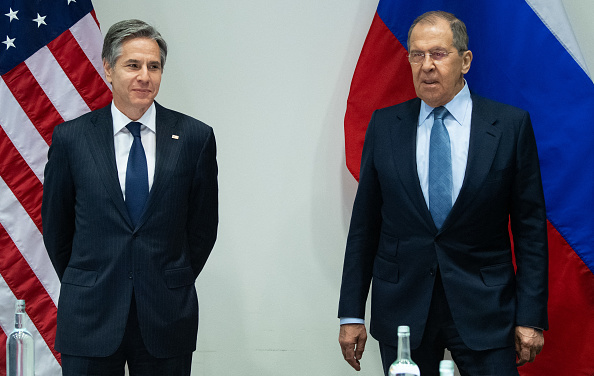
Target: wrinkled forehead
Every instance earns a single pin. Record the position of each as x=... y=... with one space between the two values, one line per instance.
x=427 y=36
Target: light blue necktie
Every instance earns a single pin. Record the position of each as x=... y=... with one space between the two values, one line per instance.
x=137 y=187
x=440 y=169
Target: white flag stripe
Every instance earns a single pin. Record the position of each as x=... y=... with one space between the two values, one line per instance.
x=56 y=85
x=43 y=354
x=21 y=132
x=89 y=38
x=553 y=15
x=29 y=241
x=6 y=297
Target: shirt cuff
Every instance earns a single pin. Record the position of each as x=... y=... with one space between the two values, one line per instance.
x=351 y=320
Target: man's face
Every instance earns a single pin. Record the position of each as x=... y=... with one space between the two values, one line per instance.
x=437 y=82
x=136 y=76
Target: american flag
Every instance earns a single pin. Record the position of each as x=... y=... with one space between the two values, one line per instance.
x=50 y=63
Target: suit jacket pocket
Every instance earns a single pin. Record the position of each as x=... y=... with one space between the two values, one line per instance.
x=385 y=270
x=79 y=277
x=498 y=275
x=179 y=277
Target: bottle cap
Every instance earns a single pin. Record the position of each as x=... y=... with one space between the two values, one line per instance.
x=446 y=365
x=403 y=329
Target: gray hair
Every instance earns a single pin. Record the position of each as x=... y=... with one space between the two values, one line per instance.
x=458 y=27
x=126 y=30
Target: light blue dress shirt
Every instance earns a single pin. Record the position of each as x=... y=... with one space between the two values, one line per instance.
x=457 y=122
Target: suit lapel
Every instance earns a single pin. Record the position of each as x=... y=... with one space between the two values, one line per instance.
x=484 y=141
x=100 y=141
x=169 y=140
x=404 y=146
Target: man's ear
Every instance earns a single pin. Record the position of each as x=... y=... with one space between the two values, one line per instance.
x=107 y=69
x=466 y=60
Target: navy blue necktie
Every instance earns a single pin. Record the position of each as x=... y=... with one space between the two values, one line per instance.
x=440 y=169
x=137 y=187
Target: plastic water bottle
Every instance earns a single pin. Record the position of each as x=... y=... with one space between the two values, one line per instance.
x=403 y=365
x=20 y=350
x=446 y=368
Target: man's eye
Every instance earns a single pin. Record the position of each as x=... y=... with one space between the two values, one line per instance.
x=438 y=55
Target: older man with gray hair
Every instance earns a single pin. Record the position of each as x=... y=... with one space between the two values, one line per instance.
x=442 y=175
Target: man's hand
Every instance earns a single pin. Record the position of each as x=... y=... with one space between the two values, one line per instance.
x=529 y=342
x=352 y=340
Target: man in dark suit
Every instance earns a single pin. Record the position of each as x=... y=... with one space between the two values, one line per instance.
x=130 y=214
x=441 y=176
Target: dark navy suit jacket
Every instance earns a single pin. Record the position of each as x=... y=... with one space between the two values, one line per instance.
x=101 y=259
x=393 y=241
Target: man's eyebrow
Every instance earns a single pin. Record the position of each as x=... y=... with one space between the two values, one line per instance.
x=136 y=61
x=431 y=49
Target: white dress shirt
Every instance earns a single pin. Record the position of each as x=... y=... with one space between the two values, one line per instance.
x=457 y=122
x=122 y=140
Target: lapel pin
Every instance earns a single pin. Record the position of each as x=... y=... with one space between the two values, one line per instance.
x=175 y=137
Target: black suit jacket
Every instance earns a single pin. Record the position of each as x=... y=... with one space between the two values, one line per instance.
x=101 y=259
x=393 y=241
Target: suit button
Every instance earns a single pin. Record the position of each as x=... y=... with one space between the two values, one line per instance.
x=432 y=271
x=130 y=275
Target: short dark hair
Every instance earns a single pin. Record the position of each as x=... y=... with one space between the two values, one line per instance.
x=126 y=30
x=458 y=27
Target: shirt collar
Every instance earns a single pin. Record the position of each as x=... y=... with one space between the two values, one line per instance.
x=149 y=119
x=456 y=107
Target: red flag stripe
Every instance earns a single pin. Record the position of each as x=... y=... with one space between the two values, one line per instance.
x=80 y=70
x=41 y=111
x=56 y=85
x=94 y=14
x=20 y=179
x=3 y=339
x=21 y=132
x=373 y=86
x=571 y=284
x=24 y=283
x=88 y=35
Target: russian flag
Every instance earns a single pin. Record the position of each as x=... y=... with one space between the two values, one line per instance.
x=524 y=55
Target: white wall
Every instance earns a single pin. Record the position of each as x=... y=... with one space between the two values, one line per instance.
x=272 y=78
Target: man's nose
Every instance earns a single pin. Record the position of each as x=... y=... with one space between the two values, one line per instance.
x=143 y=74
x=427 y=63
